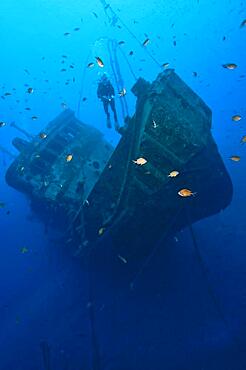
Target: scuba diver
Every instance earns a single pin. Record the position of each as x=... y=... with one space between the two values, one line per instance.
x=105 y=92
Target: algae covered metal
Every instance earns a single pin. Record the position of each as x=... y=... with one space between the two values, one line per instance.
x=171 y=129
x=59 y=167
x=107 y=193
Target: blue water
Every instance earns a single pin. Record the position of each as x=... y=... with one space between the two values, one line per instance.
x=176 y=317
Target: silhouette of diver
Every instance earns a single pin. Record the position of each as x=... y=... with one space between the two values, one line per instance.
x=105 y=92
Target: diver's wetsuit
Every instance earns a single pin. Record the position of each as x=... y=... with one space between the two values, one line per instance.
x=105 y=92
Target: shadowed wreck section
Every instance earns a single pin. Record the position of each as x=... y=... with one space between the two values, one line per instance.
x=100 y=191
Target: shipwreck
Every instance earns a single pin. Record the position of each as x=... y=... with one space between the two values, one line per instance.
x=102 y=191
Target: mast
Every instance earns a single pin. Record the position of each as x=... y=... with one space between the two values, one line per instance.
x=26 y=133
x=6 y=151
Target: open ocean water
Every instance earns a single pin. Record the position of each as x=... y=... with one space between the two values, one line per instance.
x=186 y=311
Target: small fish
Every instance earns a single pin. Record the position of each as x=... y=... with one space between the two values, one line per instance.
x=122 y=92
x=131 y=52
x=140 y=161
x=154 y=124
x=101 y=231
x=34 y=118
x=229 y=66
x=71 y=66
x=243 y=140
x=63 y=70
x=30 y=90
x=165 y=65
x=194 y=74
x=69 y=157
x=121 y=42
x=86 y=202
x=2 y=124
x=236 y=118
x=95 y=14
x=26 y=70
x=76 y=29
x=90 y=65
x=243 y=24
x=235 y=158
x=43 y=135
x=173 y=174
x=186 y=193
x=27 y=108
x=174 y=43
x=66 y=34
x=84 y=98
x=146 y=42
x=122 y=258
x=99 y=62
x=7 y=94
x=64 y=56
x=63 y=105
x=24 y=250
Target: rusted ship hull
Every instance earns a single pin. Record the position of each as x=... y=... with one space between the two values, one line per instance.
x=133 y=204
x=137 y=205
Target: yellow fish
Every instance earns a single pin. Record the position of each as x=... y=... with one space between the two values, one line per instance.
x=229 y=66
x=186 y=193
x=99 y=62
x=69 y=157
x=140 y=161
x=235 y=158
x=243 y=140
x=173 y=174
x=236 y=118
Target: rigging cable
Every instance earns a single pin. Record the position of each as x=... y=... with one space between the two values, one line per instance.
x=114 y=19
x=117 y=75
x=82 y=83
x=129 y=65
